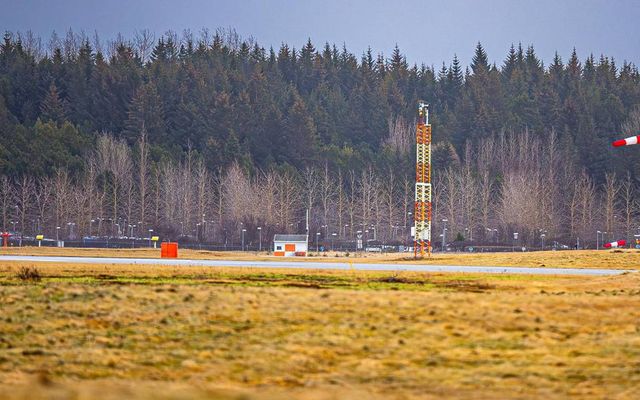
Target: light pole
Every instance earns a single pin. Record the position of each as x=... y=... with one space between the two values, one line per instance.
x=409 y=214
x=150 y=233
x=71 y=225
x=91 y=226
x=542 y=236
x=317 y=239
x=444 y=232
x=259 y=238
x=17 y=218
x=133 y=239
x=345 y=230
x=601 y=236
x=204 y=227
x=242 y=234
x=57 y=234
x=333 y=236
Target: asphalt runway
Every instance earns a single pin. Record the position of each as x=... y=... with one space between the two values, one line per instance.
x=320 y=265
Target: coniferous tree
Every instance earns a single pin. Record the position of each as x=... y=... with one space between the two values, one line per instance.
x=145 y=113
x=53 y=108
x=480 y=60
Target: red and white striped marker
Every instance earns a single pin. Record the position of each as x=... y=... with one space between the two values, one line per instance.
x=627 y=142
x=613 y=245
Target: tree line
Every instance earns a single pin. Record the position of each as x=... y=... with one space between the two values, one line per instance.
x=503 y=184
x=205 y=135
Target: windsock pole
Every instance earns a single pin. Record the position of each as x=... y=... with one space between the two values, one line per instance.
x=627 y=141
x=613 y=245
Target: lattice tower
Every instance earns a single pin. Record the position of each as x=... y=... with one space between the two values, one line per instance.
x=422 y=211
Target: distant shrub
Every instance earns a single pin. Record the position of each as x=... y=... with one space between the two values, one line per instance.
x=28 y=274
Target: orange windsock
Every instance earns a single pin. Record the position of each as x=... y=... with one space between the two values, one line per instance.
x=613 y=245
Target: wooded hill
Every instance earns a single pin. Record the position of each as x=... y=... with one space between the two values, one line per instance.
x=220 y=101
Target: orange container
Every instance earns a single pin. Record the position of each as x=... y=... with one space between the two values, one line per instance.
x=169 y=250
x=278 y=253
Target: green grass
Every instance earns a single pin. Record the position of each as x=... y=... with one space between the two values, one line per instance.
x=380 y=281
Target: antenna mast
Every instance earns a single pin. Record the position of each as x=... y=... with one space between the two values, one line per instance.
x=422 y=211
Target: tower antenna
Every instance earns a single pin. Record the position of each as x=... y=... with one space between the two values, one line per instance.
x=422 y=211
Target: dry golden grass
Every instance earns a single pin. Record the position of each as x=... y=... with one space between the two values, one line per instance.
x=116 y=331
x=616 y=259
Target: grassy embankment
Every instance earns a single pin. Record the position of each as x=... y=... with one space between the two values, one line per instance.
x=116 y=331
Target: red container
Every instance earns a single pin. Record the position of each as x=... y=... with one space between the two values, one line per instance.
x=169 y=250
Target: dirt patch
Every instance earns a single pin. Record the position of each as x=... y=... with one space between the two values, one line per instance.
x=466 y=286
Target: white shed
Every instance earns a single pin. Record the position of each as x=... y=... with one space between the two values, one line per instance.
x=290 y=245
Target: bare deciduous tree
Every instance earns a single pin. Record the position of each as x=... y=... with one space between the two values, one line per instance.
x=24 y=200
x=6 y=194
x=143 y=41
x=143 y=177
x=610 y=203
x=328 y=191
x=401 y=138
x=311 y=188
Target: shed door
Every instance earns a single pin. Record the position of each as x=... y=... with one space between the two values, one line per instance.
x=289 y=247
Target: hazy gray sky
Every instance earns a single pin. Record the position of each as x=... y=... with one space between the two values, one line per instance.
x=426 y=31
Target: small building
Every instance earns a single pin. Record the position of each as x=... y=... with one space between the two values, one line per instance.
x=290 y=245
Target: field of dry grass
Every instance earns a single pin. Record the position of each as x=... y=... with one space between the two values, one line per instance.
x=617 y=259
x=127 y=331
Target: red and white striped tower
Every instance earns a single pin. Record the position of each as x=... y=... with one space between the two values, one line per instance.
x=422 y=210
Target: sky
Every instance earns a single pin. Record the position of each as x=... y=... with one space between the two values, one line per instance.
x=426 y=31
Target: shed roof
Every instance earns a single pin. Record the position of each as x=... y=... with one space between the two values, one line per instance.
x=290 y=238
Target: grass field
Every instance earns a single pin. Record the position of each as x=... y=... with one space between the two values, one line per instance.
x=127 y=331
x=618 y=259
